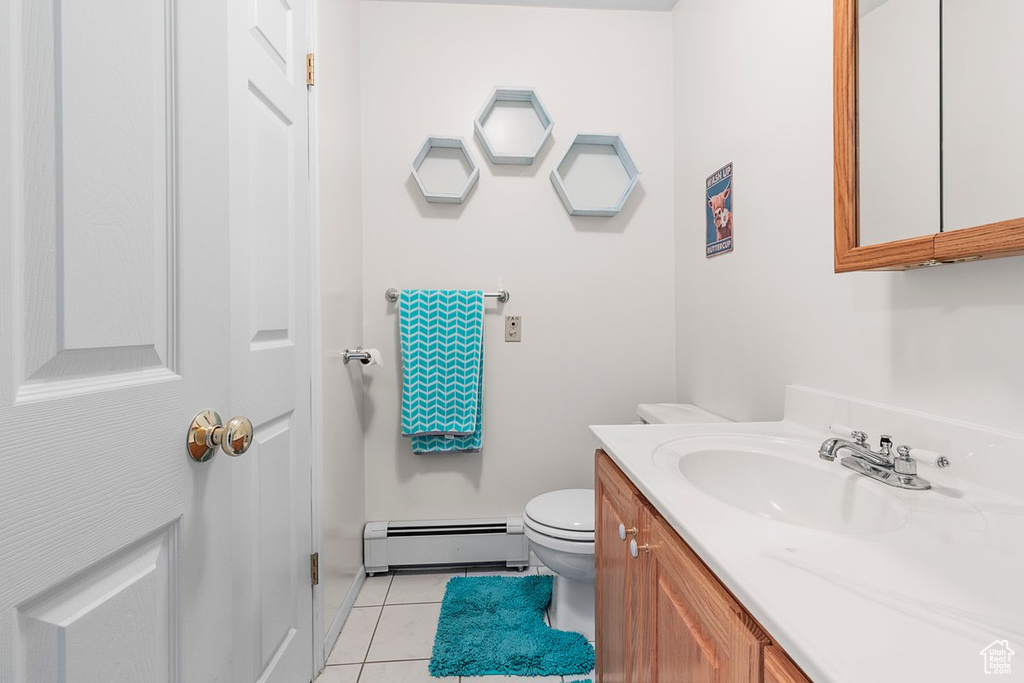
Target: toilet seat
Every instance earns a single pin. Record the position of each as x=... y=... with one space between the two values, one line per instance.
x=559 y=544
x=555 y=532
x=566 y=517
x=567 y=509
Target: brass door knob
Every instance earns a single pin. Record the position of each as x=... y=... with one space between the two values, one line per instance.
x=623 y=531
x=208 y=431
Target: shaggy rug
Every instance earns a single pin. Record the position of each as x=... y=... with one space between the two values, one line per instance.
x=494 y=625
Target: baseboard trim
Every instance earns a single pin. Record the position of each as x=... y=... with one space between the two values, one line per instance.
x=334 y=630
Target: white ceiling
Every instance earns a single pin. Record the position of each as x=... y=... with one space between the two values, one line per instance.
x=646 y=5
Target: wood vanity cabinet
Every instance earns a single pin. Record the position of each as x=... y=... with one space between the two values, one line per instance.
x=779 y=668
x=663 y=616
x=618 y=608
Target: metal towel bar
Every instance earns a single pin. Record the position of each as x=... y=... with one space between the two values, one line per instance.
x=501 y=295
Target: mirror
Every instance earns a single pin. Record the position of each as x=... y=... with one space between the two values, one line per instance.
x=899 y=89
x=929 y=148
x=982 y=105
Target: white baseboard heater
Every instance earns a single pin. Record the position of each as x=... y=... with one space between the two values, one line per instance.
x=448 y=543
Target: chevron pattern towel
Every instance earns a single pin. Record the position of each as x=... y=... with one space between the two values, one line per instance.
x=442 y=357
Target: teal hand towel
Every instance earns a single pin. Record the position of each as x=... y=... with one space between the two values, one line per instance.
x=441 y=335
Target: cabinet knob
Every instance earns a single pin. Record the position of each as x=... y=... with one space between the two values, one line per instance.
x=635 y=549
x=623 y=531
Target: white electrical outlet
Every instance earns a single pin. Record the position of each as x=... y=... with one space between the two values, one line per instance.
x=513 y=328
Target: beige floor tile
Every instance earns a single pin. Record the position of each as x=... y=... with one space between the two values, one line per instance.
x=374 y=590
x=409 y=588
x=405 y=632
x=355 y=637
x=400 y=672
x=344 y=673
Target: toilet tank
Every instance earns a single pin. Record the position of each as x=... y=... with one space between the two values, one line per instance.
x=676 y=413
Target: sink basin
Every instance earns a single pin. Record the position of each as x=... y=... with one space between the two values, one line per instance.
x=782 y=480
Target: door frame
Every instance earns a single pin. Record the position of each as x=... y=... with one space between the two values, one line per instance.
x=319 y=653
x=324 y=634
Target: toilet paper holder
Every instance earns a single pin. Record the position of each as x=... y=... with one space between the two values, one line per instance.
x=357 y=354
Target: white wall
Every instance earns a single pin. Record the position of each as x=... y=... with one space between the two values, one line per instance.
x=595 y=294
x=341 y=295
x=945 y=340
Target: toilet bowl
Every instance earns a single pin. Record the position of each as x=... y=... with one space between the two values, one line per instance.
x=560 y=527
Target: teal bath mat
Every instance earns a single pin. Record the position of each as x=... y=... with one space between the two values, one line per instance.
x=494 y=625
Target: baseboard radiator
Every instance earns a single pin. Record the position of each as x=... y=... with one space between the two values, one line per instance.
x=445 y=543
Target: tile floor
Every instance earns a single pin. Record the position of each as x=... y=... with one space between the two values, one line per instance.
x=389 y=635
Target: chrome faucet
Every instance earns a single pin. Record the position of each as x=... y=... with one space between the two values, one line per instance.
x=859 y=448
x=899 y=470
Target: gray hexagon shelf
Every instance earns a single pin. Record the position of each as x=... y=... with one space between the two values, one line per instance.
x=445 y=171
x=595 y=176
x=513 y=126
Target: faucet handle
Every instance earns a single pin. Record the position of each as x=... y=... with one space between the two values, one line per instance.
x=850 y=433
x=921 y=455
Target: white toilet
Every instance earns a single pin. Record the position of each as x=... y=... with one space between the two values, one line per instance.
x=560 y=526
x=676 y=413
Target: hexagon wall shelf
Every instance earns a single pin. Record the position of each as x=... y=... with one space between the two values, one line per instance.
x=513 y=126
x=595 y=176
x=445 y=171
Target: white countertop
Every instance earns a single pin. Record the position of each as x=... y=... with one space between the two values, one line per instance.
x=915 y=604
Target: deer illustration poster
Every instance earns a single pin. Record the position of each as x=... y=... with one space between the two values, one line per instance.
x=718 y=209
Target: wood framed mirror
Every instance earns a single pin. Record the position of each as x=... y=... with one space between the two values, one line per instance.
x=926 y=132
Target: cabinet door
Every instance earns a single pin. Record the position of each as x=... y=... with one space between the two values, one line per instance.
x=778 y=668
x=700 y=634
x=617 y=601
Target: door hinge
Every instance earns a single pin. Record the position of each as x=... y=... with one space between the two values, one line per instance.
x=309 y=69
x=314 y=569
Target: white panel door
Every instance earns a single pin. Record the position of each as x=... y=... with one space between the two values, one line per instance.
x=112 y=229
x=144 y=276
x=270 y=289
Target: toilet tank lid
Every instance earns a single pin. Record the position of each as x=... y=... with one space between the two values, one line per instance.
x=569 y=509
x=676 y=413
